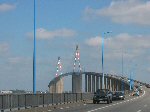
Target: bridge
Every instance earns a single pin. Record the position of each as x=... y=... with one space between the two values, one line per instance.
x=93 y=81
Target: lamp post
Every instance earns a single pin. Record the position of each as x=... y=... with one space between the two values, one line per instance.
x=103 y=59
x=122 y=72
x=34 y=56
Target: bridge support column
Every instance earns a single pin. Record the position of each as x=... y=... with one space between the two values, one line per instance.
x=101 y=78
x=104 y=82
x=59 y=86
x=120 y=85
x=89 y=83
x=97 y=82
x=93 y=83
x=52 y=88
x=77 y=83
x=117 y=85
x=86 y=77
x=108 y=83
x=112 y=84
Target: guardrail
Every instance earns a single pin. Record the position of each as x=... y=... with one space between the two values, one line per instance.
x=17 y=101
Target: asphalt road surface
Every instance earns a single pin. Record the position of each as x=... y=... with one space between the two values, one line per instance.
x=130 y=104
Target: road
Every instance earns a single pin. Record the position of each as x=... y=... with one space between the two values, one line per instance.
x=130 y=104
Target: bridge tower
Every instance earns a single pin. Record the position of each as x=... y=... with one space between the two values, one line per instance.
x=77 y=76
x=58 y=86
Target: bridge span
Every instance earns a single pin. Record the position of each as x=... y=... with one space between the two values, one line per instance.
x=93 y=81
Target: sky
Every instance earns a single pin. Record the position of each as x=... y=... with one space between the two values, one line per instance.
x=63 y=24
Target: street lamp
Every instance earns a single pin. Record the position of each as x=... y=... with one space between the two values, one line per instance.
x=122 y=72
x=34 y=55
x=103 y=58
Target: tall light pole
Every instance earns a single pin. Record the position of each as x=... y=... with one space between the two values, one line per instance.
x=103 y=59
x=122 y=71
x=34 y=55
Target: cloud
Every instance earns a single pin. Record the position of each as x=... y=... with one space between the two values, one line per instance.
x=134 y=45
x=95 y=41
x=6 y=7
x=4 y=47
x=123 y=11
x=122 y=40
x=44 y=34
x=148 y=69
x=15 y=60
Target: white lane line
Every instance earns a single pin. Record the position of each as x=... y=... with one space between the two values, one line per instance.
x=67 y=107
x=120 y=102
x=49 y=110
x=84 y=104
x=103 y=107
x=61 y=108
x=110 y=105
x=114 y=104
x=139 y=111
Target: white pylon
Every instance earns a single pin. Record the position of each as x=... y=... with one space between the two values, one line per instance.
x=77 y=59
x=59 y=67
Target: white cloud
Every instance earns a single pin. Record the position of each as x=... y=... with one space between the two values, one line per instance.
x=19 y=60
x=14 y=60
x=133 y=45
x=123 y=11
x=148 y=69
x=6 y=7
x=3 y=48
x=95 y=41
x=42 y=33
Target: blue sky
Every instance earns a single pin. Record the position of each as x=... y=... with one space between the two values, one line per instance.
x=60 y=25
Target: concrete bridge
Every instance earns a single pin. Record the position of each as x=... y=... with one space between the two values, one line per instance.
x=93 y=81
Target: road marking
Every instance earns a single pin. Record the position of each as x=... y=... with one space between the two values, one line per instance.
x=139 y=111
x=67 y=107
x=84 y=104
x=49 y=110
x=145 y=105
x=110 y=105
x=61 y=108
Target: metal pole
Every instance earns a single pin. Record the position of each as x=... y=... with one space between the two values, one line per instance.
x=122 y=63
x=103 y=59
x=122 y=72
x=34 y=57
x=130 y=82
x=103 y=62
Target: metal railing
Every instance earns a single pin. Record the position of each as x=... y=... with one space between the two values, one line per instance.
x=17 y=101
